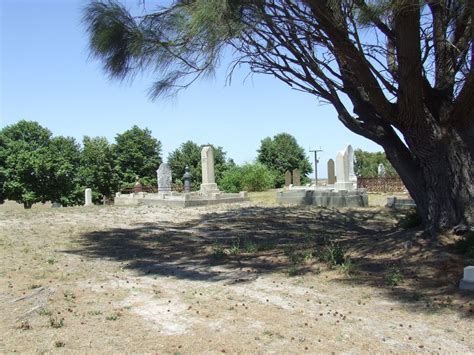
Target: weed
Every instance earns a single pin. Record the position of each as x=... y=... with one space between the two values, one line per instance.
x=218 y=252
x=333 y=254
x=69 y=295
x=44 y=312
x=51 y=260
x=348 y=268
x=33 y=286
x=249 y=247
x=235 y=248
x=113 y=316
x=94 y=313
x=466 y=245
x=56 y=322
x=393 y=276
x=411 y=220
x=293 y=271
x=59 y=344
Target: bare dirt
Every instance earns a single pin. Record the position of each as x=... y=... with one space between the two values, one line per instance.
x=244 y=278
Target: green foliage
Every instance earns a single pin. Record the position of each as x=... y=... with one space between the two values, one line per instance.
x=333 y=254
x=97 y=167
x=248 y=177
x=137 y=154
x=189 y=154
x=393 y=276
x=466 y=245
x=282 y=153
x=366 y=164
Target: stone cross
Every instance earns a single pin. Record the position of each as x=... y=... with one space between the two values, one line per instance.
x=296 y=177
x=288 y=178
x=331 y=173
x=208 y=178
x=88 y=197
x=164 y=178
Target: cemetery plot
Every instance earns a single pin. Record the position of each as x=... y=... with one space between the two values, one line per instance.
x=253 y=277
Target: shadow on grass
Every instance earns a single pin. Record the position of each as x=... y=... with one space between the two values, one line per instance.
x=238 y=244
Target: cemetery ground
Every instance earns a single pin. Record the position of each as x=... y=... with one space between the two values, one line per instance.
x=251 y=277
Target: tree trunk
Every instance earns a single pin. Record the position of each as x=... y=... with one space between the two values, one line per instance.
x=443 y=185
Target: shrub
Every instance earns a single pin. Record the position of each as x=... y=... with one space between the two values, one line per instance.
x=333 y=254
x=393 y=276
x=248 y=177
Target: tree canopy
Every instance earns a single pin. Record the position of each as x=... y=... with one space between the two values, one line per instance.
x=282 y=153
x=366 y=164
x=399 y=73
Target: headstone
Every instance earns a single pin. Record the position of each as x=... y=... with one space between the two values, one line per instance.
x=381 y=170
x=296 y=177
x=467 y=283
x=288 y=178
x=164 y=178
x=208 y=179
x=88 y=197
x=343 y=167
x=350 y=158
x=331 y=174
x=56 y=205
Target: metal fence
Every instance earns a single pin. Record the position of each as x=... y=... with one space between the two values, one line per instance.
x=388 y=184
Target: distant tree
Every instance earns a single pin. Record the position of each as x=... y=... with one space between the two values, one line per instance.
x=60 y=164
x=189 y=154
x=366 y=164
x=248 y=177
x=97 y=168
x=282 y=153
x=24 y=149
x=3 y=170
x=137 y=154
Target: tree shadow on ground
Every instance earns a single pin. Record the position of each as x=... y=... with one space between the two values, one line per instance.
x=239 y=244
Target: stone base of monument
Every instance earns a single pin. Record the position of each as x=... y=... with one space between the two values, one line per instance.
x=177 y=199
x=324 y=197
x=400 y=202
x=467 y=283
x=208 y=189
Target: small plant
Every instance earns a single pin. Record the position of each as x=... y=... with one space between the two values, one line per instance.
x=69 y=295
x=218 y=252
x=466 y=245
x=51 y=260
x=44 y=312
x=33 y=286
x=293 y=271
x=411 y=220
x=235 y=248
x=348 y=268
x=333 y=254
x=393 y=276
x=95 y=313
x=113 y=316
x=249 y=247
x=56 y=322
x=59 y=344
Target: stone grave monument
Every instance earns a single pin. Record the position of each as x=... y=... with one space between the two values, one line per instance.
x=331 y=173
x=467 y=283
x=288 y=178
x=164 y=179
x=208 y=184
x=296 y=177
x=343 y=169
x=88 y=197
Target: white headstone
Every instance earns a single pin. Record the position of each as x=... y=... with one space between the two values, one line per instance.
x=467 y=283
x=164 y=178
x=208 y=178
x=350 y=158
x=88 y=197
x=343 y=167
x=381 y=170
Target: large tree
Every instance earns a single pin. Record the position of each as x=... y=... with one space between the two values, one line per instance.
x=138 y=154
x=398 y=72
x=281 y=154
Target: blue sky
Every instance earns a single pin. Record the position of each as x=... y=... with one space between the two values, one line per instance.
x=46 y=76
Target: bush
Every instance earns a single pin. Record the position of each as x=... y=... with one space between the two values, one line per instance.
x=248 y=177
x=393 y=276
x=333 y=254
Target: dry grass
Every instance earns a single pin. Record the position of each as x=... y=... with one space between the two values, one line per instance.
x=242 y=278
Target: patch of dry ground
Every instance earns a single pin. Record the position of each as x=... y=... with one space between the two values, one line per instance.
x=241 y=278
